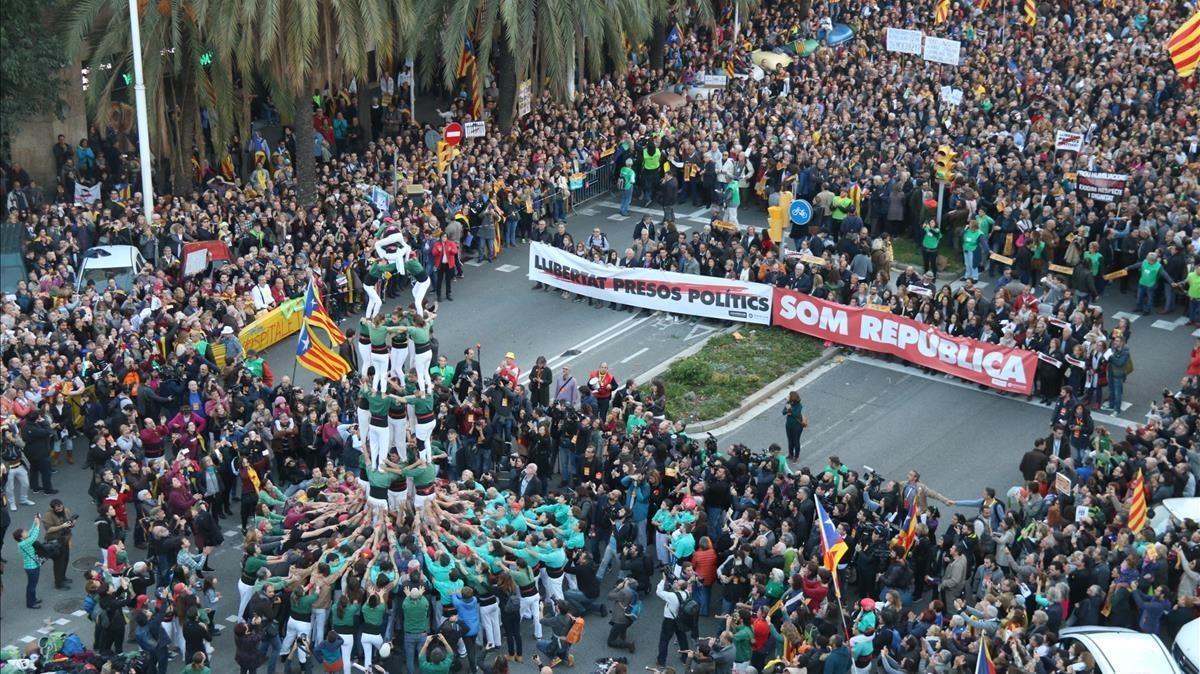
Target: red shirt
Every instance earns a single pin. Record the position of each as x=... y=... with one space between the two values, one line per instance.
x=607 y=383
x=762 y=632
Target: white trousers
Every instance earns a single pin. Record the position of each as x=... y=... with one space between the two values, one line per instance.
x=419 y=500
x=17 y=487
x=531 y=609
x=370 y=643
x=489 y=624
x=379 y=361
x=397 y=500
x=374 y=302
x=364 y=424
x=378 y=437
x=423 y=433
x=398 y=429
x=554 y=586
x=399 y=360
x=364 y=358
x=399 y=255
x=419 y=289
x=294 y=629
x=245 y=592
x=422 y=361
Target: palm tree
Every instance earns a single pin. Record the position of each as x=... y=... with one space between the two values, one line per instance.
x=177 y=83
x=295 y=44
x=556 y=42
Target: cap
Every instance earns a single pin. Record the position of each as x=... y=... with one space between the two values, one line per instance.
x=510 y=354
x=227 y=330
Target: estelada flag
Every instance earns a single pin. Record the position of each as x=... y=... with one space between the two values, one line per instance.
x=1184 y=47
x=941 y=11
x=1031 y=15
x=1137 y=507
x=984 y=665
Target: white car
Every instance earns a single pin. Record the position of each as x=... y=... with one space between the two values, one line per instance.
x=1187 y=647
x=101 y=263
x=1120 y=651
x=1186 y=508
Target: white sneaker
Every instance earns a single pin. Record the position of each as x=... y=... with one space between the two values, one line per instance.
x=26 y=502
x=12 y=507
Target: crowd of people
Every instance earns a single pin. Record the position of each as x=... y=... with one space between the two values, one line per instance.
x=404 y=517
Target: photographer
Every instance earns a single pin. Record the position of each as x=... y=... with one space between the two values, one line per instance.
x=60 y=523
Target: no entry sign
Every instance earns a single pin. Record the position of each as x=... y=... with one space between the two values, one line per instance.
x=453 y=133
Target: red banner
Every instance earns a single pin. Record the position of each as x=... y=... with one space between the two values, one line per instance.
x=999 y=367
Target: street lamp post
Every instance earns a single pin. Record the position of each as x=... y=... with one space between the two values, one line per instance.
x=139 y=93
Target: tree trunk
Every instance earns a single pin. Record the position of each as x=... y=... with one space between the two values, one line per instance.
x=805 y=6
x=658 y=44
x=364 y=110
x=185 y=133
x=506 y=82
x=306 y=164
x=580 y=58
x=244 y=162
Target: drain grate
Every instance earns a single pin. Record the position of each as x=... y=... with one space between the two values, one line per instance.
x=84 y=563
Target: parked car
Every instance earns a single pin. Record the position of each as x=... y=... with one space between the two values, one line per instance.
x=1121 y=651
x=101 y=263
x=1187 y=647
x=1186 y=508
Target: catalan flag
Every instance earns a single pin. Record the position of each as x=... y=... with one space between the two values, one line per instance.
x=1184 y=47
x=469 y=65
x=833 y=546
x=729 y=70
x=983 y=4
x=908 y=535
x=675 y=34
x=856 y=196
x=124 y=192
x=1137 y=507
x=984 y=664
x=941 y=11
x=466 y=59
x=317 y=357
x=1031 y=17
x=316 y=315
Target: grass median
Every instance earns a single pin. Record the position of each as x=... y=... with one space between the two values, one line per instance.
x=908 y=252
x=716 y=379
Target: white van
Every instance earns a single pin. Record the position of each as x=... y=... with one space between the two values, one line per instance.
x=1117 y=650
x=1185 y=508
x=1187 y=647
x=101 y=263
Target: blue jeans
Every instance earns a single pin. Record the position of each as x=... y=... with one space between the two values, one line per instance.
x=1193 y=310
x=510 y=232
x=716 y=522
x=489 y=247
x=608 y=559
x=560 y=209
x=1169 y=302
x=1145 y=299
x=412 y=646
x=270 y=647
x=581 y=603
x=566 y=461
x=626 y=200
x=969 y=268
x=502 y=428
x=31 y=581
x=1116 y=386
x=703 y=597
x=554 y=647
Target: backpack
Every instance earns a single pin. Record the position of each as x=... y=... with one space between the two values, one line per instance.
x=689 y=608
x=72 y=646
x=512 y=605
x=52 y=644
x=634 y=610
x=575 y=633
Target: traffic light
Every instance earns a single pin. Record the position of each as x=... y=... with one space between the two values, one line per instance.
x=943 y=164
x=445 y=154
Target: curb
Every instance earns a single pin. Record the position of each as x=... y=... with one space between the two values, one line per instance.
x=767 y=391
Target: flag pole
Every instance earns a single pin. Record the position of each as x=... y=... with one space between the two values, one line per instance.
x=139 y=93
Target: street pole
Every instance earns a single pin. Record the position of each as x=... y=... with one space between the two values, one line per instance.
x=412 y=91
x=737 y=20
x=941 y=193
x=139 y=92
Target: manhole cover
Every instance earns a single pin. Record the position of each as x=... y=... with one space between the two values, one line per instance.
x=84 y=563
x=68 y=606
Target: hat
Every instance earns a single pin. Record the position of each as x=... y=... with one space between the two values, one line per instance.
x=227 y=330
x=510 y=354
x=867 y=603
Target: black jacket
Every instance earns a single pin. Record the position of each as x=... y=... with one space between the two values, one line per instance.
x=37 y=436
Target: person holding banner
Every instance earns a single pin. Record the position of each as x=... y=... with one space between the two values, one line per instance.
x=1149 y=272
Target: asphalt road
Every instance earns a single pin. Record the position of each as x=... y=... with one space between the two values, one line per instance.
x=867 y=411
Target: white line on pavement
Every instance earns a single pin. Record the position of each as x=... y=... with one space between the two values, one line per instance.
x=896 y=367
x=774 y=401
x=635 y=354
x=618 y=328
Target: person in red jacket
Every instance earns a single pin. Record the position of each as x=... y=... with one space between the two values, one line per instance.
x=445 y=262
x=603 y=384
x=1193 y=368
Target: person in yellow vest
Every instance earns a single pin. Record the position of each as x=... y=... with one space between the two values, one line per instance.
x=652 y=159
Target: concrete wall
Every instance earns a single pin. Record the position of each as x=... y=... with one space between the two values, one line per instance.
x=31 y=147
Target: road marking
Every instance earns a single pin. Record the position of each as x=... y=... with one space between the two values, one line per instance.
x=612 y=331
x=231 y=619
x=474 y=263
x=635 y=354
x=699 y=330
x=953 y=381
x=79 y=614
x=1181 y=321
x=618 y=217
x=698 y=213
x=45 y=630
x=506 y=268
x=588 y=210
x=1164 y=325
x=1127 y=316
x=61 y=621
x=26 y=639
x=232 y=533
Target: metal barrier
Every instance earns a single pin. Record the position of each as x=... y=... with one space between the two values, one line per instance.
x=597 y=182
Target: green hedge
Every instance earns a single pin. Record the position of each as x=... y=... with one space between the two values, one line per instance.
x=721 y=375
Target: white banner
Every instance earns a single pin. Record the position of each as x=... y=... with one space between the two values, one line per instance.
x=716 y=80
x=524 y=98
x=904 y=41
x=941 y=50
x=195 y=261
x=652 y=289
x=1105 y=187
x=952 y=96
x=1067 y=140
x=474 y=129
x=87 y=195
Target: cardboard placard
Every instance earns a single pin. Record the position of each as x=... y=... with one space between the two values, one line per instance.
x=1062 y=483
x=1003 y=259
x=1116 y=274
x=813 y=259
x=1061 y=269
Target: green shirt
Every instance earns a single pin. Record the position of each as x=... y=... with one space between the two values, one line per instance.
x=379 y=335
x=303 y=604
x=346 y=618
x=377 y=270
x=1148 y=277
x=416 y=615
x=445 y=374
x=442 y=667
x=1193 y=281
x=971 y=239
x=414 y=267
x=422 y=475
x=1094 y=258
x=379 y=404
x=373 y=615
x=421 y=404
x=743 y=642
x=841 y=207
x=628 y=177
x=931 y=239
x=735 y=193
x=419 y=336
